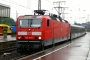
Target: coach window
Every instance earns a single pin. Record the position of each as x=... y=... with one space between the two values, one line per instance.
x=48 y=22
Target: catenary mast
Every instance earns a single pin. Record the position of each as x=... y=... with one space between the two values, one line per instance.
x=39 y=4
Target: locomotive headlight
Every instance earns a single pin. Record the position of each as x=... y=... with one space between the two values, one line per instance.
x=29 y=29
x=19 y=37
x=39 y=37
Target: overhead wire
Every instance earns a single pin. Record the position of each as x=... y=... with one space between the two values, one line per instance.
x=53 y=5
x=15 y=3
x=49 y=2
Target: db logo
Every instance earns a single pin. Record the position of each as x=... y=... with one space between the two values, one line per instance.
x=29 y=33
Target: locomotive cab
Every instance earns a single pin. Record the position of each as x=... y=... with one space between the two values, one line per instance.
x=32 y=31
x=29 y=29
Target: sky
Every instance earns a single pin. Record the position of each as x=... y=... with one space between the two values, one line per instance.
x=78 y=10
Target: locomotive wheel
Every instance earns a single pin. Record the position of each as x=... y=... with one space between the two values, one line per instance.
x=42 y=46
x=19 y=51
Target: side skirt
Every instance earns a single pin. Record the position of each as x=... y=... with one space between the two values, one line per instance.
x=56 y=40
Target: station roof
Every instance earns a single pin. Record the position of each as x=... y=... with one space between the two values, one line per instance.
x=4 y=5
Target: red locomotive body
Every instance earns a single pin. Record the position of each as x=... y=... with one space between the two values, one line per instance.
x=40 y=30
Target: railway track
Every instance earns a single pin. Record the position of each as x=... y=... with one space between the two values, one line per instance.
x=10 y=54
x=8 y=49
x=13 y=55
x=6 y=45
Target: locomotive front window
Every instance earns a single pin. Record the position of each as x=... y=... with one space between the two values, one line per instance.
x=35 y=23
x=30 y=23
x=23 y=23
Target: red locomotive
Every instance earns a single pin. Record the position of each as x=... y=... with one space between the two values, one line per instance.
x=38 y=31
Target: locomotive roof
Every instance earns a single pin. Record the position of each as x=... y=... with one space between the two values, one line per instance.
x=45 y=14
x=37 y=16
x=53 y=17
x=77 y=26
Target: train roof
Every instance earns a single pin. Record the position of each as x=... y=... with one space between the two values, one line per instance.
x=77 y=26
x=53 y=17
x=41 y=14
x=47 y=14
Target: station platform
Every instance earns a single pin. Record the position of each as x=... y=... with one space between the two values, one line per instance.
x=9 y=38
x=79 y=49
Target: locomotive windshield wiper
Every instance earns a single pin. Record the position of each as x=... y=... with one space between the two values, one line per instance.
x=31 y=22
x=38 y=27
